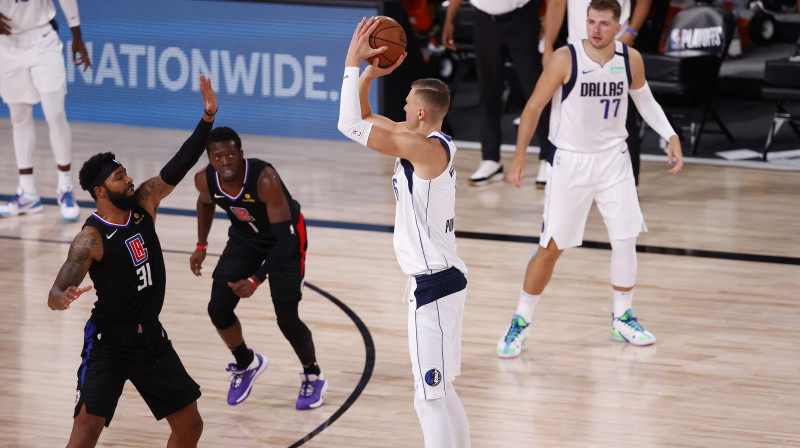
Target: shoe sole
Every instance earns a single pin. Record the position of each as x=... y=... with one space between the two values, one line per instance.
x=246 y=394
x=318 y=403
x=491 y=179
x=616 y=336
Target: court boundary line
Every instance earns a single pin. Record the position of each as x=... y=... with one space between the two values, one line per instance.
x=347 y=225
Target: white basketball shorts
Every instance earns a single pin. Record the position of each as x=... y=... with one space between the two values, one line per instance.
x=435 y=313
x=31 y=62
x=577 y=179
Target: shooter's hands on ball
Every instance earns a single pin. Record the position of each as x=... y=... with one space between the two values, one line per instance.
x=359 y=46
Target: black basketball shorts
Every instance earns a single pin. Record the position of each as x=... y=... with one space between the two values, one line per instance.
x=111 y=356
x=244 y=255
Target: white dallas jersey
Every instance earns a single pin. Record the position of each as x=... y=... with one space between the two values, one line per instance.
x=31 y=14
x=589 y=111
x=424 y=233
x=576 y=19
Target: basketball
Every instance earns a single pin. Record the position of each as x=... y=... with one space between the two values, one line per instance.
x=388 y=34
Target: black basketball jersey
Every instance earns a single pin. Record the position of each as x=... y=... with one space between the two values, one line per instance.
x=248 y=214
x=130 y=278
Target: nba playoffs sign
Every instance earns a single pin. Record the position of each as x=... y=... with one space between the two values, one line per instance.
x=276 y=68
x=707 y=29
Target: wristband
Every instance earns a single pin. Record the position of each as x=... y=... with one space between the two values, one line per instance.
x=202 y=247
x=253 y=282
x=632 y=31
x=548 y=48
x=211 y=115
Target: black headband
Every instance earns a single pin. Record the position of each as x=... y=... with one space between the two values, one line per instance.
x=103 y=174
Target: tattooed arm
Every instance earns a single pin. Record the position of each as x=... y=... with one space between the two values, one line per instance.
x=86 y=248
x=150 y=193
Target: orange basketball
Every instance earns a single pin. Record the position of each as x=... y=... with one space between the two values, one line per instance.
x=388 y=34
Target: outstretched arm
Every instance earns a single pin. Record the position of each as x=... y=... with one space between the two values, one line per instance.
x=151 y=192
x=205 y=217
x=556 y=73
x=280 y=220
x=86 y=248
x=652 y=113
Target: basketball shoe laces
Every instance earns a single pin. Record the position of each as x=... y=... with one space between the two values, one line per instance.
x=633 y=323
x=307 y=388
x=514 y=331
x=238 y=376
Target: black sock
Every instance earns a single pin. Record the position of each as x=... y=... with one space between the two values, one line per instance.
x=243 y=356
x=313 y=369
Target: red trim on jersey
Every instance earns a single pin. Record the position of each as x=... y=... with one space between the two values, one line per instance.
x=301 y=232
x=113 y=224
x=234 y=198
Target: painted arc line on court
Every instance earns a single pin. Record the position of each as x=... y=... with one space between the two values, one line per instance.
x=369 y=344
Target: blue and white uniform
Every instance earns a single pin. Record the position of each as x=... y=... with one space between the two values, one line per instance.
x=591 y=162
x=31 y=58
x=425 y=245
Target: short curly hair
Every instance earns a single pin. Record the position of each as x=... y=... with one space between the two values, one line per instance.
x=224 y=134
x=91 y=168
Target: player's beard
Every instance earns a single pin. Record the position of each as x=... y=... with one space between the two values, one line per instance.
x=121 y=200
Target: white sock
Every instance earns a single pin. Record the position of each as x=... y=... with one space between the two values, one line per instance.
x=622 y=302
x=459 y=425
x=527 y=302
x=435 y=423
x=64 y=178
x=26 y=182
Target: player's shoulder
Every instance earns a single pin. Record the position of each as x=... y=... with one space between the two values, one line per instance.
x=88 y=240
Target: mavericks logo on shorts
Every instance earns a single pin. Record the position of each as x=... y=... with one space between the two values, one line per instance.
x=433 y=377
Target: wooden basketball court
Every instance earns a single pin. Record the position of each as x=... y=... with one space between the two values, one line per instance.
x=717 y=285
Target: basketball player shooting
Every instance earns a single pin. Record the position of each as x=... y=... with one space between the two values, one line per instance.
x=424 y=184
x=589 y=83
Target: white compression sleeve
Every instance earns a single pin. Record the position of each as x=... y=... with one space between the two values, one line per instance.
x=23 y=130
x=651 y=111
x=60 y=134
x=70 y=9
x=350 y=122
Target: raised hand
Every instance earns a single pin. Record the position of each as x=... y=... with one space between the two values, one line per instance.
x=209 y=97
x=359 y=45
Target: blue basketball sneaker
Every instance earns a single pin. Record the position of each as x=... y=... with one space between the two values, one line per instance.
x=510 y=345
x=312 y=389
x=627 y=329
x=20 y=203
x=242 y=380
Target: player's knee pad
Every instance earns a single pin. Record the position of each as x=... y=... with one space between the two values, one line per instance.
x=290 y=324
x=220 y=307
x=623 y=262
